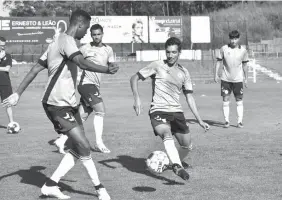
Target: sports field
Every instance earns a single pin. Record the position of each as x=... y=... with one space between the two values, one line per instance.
x=228 y=163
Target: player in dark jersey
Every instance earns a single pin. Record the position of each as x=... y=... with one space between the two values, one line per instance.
x=61 y=59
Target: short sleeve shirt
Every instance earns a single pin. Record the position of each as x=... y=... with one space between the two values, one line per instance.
x=168 y=82
x=62 y=72
x=232 y=63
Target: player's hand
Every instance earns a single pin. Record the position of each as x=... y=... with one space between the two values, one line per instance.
x=113 y=68
x=216 y=78
x=246 y=83
x=204 y=125
x=137 y=106
x=12 y=100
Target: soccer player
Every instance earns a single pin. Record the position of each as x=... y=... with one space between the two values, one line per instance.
x=166 y=114
x=5 y=82
x=234 y=75
x=59 y=100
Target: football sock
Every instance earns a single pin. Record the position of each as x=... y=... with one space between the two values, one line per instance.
x=184 y=151
x=66 y=164
x=98 y=123
x=226 y=110
x=240 y=110
x=62 y=139
x=171 y=150
x=91 y=169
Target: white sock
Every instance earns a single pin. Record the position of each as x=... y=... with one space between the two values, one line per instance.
x=225 y=108
x=62 y=139
x=240 y=110
x=184 y=151
x=66 y=164
x=98 y=123
x=171 y=150
x=91 y=169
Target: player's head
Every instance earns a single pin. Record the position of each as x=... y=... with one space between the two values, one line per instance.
x=137 y=28
x=80 y=19
x=173 y=49
x=234 y=37
x=97 y=33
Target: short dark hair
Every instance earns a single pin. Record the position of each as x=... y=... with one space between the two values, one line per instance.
x=173 y=41
x=234 y=34
x=137 y=22
x=2 y=39
x=79 y=15
x=96 y=27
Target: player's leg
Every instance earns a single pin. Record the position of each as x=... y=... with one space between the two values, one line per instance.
x=70 y=123
x=161 y=125
x=98 y=122
x=225 y=93
x=6 y=91
x=238 y=93
x=60 y=143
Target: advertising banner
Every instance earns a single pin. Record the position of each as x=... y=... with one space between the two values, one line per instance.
x=31 y=30
x=121 y=29
x=164 y=27
x=200 y=29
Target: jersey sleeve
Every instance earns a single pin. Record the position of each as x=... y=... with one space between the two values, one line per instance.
x=43 y=59
x=82 y=49
x=69 y=48
x=187 y=84
x=220 y=55
x=147 y=71
x=245 y=57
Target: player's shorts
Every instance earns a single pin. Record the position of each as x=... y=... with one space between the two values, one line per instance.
x=90 y=95
x=228 y=87
x=176 y=121
x=5 y=91
x=64 y=118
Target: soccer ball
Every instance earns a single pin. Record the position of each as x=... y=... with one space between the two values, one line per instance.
x=157 y=161
x=13 y=128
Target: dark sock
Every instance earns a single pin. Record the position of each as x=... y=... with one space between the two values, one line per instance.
x=50 y=183
x=99 y=186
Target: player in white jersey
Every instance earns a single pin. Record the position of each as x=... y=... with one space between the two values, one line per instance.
x=89 y=87
x=166 y=114
x=59 y=101
x=234 y=74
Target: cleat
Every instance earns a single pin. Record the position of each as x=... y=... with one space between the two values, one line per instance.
x=102 y=148
x=103 y=194
x=240 y=125
x=184 y=164
x=53 y=191
x=60 y=147
x=180 y=171
x=226 y=125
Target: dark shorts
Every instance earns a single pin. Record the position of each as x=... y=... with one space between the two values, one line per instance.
x=64 y=118
x=5 y=91
x=176 y=121
x=228 y=87
x=90 y=95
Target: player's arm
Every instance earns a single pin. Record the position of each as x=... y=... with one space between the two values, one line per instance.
x=9 y=64
x=134 y=88
x=245 y=67
x=193 y=107
x=13 y=99
x=91 y=66
x=219 y=59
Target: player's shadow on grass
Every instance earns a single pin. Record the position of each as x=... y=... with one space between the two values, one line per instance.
x=137 y=165
x=34 y=176
x=210 y=122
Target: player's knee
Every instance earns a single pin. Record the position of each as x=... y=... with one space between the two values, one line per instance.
x=83 y=148
x=187 y=147
x=239 y=103
x=226 y=103
x=101 y=114
x=239 y=98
